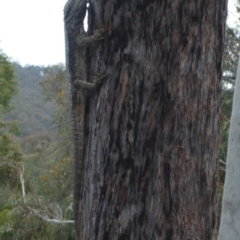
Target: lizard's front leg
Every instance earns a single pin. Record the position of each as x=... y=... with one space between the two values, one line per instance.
x=97 y=80
x=89 y=40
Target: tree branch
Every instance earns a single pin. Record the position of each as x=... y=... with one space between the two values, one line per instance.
x=229 y=79
x=36 y=212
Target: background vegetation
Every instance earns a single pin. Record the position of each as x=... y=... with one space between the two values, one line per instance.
x=37 y=159
x=35 y=146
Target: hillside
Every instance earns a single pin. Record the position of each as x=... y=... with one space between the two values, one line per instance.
x=33 y=113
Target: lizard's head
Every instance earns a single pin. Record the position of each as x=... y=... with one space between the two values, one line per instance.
x=74 y=12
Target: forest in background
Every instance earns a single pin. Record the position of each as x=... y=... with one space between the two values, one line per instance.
x=35 y=138
x=30 y=108
x=40 y=150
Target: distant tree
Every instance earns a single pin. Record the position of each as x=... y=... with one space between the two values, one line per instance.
x=55 y=90
x=10 y=154
x=232 y=48
x=59 y=178
x=8 y=82
x=30 y=108
x=30 y=215
x=9 y=151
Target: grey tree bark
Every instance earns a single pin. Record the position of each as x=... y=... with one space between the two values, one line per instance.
x=230 y=214
x=152 y=130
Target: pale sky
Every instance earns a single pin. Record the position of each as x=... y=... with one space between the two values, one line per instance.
x=31 y=31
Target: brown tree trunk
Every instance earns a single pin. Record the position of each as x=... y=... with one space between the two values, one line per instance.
x=152 y=130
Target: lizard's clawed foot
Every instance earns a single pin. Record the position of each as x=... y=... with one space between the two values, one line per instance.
x=100 y=33
x=97 y=80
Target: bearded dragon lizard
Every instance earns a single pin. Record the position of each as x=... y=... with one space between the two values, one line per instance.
x=76 y=42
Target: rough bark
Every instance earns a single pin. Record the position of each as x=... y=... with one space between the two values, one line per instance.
x=230 y=214
x=152 y=131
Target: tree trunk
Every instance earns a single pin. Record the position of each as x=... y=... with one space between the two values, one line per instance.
x=230 y=215
x=152 y=130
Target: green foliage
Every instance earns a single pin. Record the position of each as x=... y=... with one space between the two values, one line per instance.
x=54 y=89
x=28 y=226
x=10 y=154
x=8 y=82
x=24 y=223
x=56 y=183
x=31 y=110
x=57 y=179
x=54 y=84
x=232 y=49
x=35 y=142
x=4 y=214
x=226 y=108
x=46 y=163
